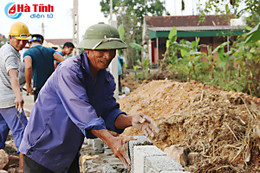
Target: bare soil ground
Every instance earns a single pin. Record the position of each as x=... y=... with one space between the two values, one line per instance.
x=221 y=127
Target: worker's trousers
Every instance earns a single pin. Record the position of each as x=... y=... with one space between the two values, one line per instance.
x=30 y=166
x=11 y=119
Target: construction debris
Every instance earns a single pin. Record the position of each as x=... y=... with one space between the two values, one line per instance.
x=3 y=159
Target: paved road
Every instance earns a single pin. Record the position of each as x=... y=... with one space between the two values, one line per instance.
x=28 y=101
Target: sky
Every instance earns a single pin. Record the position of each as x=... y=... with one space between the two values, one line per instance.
x=61 y=23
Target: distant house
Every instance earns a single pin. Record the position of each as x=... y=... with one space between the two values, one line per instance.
x=215 y=30
x=59 y=42
x=2 y=37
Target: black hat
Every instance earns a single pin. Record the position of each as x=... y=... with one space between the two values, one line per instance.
x=36 y=37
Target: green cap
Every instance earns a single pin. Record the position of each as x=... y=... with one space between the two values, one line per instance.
x=102 y=36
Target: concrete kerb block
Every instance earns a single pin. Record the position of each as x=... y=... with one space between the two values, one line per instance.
x=154 y=164
x=140 y=155
x=140 y=140
x=98 y=146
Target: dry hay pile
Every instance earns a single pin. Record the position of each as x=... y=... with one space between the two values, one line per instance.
x=222 y=127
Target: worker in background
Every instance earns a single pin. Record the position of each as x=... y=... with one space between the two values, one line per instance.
x=12 y=116
x=66 y=51
x=120 y=73
x=39 y=65
x=77 y=101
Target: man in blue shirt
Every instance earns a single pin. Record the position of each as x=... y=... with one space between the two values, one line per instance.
x=38 y=64
x=66 y=50
x=120 y=73
x=76 y=102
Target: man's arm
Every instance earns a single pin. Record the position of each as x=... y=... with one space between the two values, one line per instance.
x=28 y=73
x=13 y=75
x=143 y=123
x=55 y=64
x=123 y=121
x=58 y=57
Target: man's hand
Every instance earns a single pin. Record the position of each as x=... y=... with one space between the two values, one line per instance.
x=18 y=102
x=116 y=144
x=145 y=124
x=29 y=89
x=119 y=150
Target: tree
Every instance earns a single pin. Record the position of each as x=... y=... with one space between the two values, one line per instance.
x=240 y=66
x=3 y=40
x=249 y=8
x=131 y=14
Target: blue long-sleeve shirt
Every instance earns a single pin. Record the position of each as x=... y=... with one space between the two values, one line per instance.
x=69 y=105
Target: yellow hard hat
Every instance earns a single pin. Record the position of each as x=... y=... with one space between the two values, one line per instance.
x=20 y=31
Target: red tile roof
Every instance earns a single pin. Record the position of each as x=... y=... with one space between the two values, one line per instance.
x=59 y=41
x=170 y=21
x=2 y=36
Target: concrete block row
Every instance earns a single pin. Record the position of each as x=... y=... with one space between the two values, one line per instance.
x=147 y=158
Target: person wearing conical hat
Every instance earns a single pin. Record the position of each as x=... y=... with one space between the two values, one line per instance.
x=77 y=101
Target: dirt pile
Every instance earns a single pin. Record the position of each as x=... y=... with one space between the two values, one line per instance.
x=222 y=127
x=130 y=82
